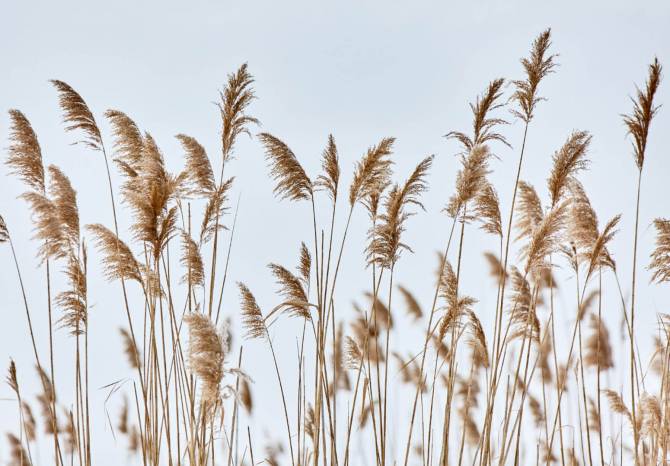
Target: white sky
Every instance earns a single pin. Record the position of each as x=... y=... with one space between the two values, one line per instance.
x=361 y=70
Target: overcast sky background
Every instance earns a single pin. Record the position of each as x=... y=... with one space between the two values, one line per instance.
x=358 y=70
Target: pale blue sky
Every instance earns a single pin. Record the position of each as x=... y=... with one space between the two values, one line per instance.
x=361 y=70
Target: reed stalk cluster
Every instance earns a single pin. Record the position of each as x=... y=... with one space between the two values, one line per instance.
x=468 y=393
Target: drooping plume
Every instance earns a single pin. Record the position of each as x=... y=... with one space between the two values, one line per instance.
x=413 y=306
x=252 y=317
x=118 y=260
x=295 y=300
x=198 y=168
x=130 y=348
x=48 y=228
x=64 y=199
x=496 y=269
x=25 y=155
x=77 y=116
x=292 y=181
x=128 y=139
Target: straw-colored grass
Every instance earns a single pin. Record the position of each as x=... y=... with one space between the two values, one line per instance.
x=472 y=395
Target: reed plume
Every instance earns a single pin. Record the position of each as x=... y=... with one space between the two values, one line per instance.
x=47 y=227
x=470 y=179
x=483 y=126
x=245 y=395
x=47 y=399
x=594 y=416
x=617 y=404
x=4 y=232
x=207 y=349
x=128 y=139
x=11 y=378
x=652 y=415
x=381 y=312
x=456 y=306
x=215 y=210
x=191 y=261
x=234 y=100
x=529 y=211
x=496 y=269
x=598 y=350
x=639 y=120
x=487 y=210
x=70 y=430
x=73 y=302
x=77 y=116
x=660 y=257
x=296 y=302
x=413 y=306
x=64 y=199
x=544 y=352
x=198 y=168
x=353 y=355
x=372 y=172
x=305 y=264
x=150 y=195
x=18 y=454
x=130 y=349
x=544 y=241
x=292 y=182
x=386 y=245
x=477 y=341
x=29 y=424
x=341 y=377
x=567 y=161
x=589 y=242
x=118 y=260
x=330 y=179
x=537 y=66
x=252 y=317
x=24 y=152
x=123 y=417
x=523 y=319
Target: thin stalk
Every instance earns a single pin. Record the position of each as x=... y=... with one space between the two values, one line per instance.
x=636 y=435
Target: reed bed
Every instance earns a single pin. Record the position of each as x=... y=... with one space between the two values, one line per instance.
x=350 y=392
